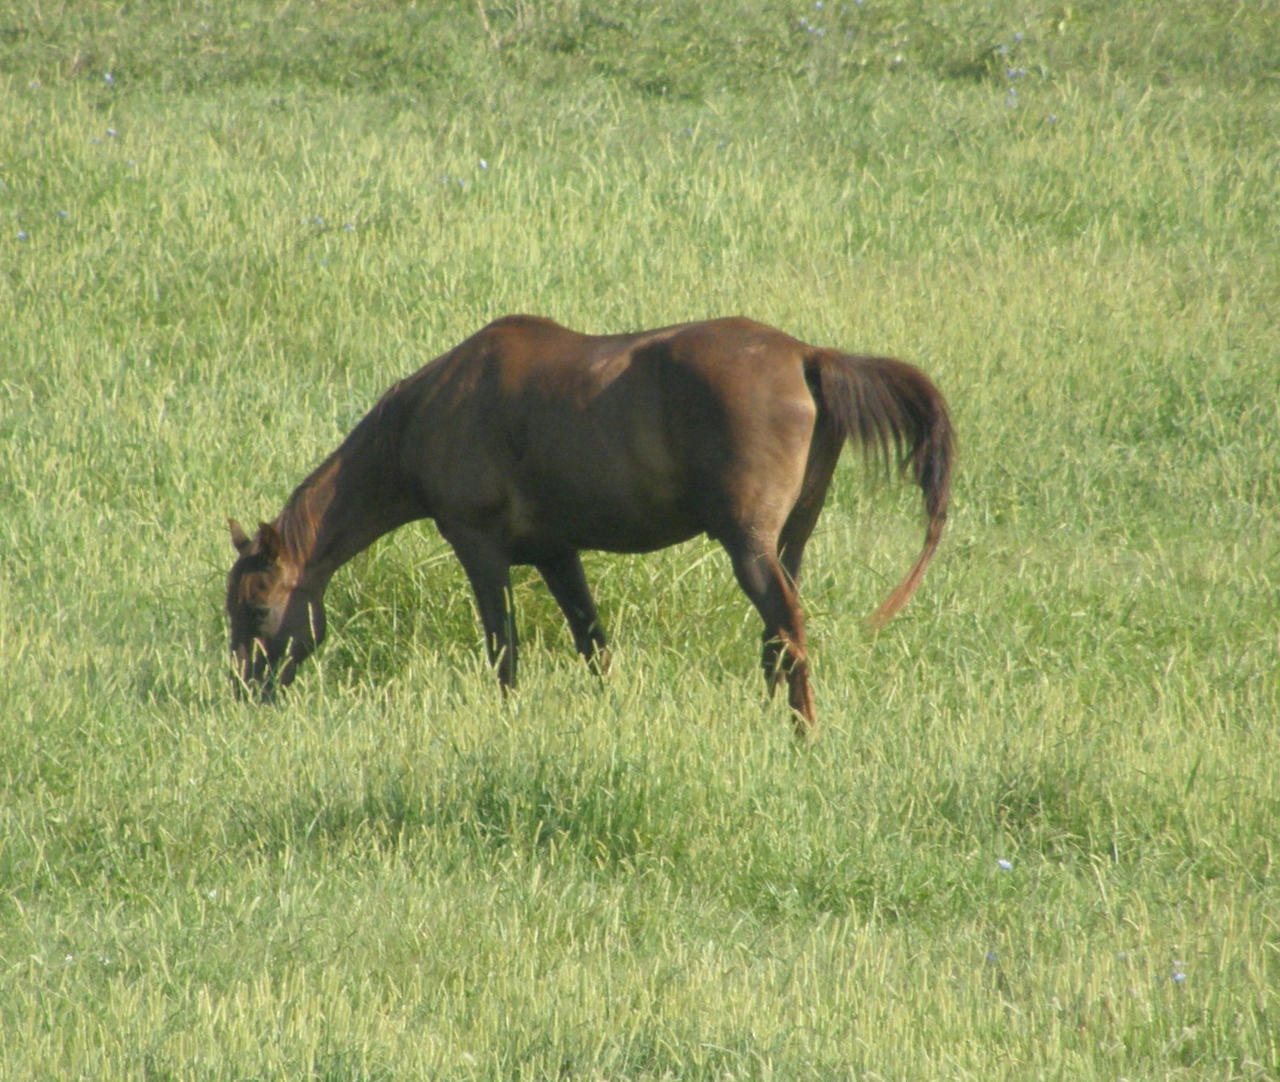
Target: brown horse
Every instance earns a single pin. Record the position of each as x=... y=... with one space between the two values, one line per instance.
x=530 y=442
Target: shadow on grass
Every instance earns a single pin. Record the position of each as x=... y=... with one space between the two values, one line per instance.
x=611 y=815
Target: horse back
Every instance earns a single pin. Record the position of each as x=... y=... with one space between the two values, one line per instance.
x=623 y=442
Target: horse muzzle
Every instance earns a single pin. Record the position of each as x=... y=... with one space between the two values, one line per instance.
x=257 y=677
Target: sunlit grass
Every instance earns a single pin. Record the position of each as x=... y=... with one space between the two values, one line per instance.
x=1036 y=837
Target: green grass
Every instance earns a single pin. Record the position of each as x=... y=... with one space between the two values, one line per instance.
x=213 y=261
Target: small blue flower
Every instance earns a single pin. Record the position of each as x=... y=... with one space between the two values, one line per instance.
x=22 y=235
x=109 y=79
x=1004 y=865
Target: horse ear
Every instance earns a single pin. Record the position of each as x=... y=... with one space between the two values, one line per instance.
x=238 y=537
x=269 y=541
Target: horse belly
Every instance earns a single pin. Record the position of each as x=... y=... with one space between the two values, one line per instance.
x=617 y=496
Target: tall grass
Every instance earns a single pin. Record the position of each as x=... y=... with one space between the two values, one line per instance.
x=1036 y=838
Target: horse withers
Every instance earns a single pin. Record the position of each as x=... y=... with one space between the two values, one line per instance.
x=530 y=442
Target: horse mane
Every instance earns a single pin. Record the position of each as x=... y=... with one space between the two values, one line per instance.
x=374 y=439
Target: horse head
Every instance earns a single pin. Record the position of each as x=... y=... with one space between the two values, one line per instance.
x=276 y=621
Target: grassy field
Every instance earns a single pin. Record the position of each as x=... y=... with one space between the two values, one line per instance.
x=1037 y=837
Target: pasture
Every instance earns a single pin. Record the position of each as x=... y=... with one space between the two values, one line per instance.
x=1036 y=836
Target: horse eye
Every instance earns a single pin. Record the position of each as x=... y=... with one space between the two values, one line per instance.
x=253 y=592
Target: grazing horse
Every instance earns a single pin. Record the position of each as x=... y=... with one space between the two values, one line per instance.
x=530 y=442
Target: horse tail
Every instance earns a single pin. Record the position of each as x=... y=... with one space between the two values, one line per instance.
x=894 y=411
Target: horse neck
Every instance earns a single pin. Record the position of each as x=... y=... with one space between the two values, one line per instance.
x=352 y=499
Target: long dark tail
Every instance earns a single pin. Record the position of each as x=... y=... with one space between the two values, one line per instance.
x=895 y=411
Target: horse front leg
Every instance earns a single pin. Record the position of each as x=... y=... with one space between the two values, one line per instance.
x=568 y=584
x=489 y=571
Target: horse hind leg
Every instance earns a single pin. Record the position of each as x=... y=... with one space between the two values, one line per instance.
x=791 y=545
x=824 y=453
x=769 y=589
x=790 y=556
